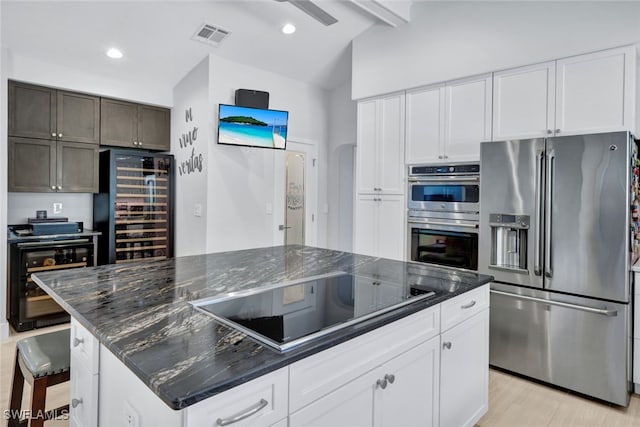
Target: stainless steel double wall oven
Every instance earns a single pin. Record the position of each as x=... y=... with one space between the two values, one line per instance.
x=443 y=214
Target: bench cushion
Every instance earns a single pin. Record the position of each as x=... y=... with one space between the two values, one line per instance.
x=45 y=354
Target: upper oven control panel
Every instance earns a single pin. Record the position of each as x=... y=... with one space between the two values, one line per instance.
x=463 y=169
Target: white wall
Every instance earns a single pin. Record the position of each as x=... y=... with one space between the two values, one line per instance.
x=76 y=207
x=243 y=182
x=194 y=130
x=449 y=40
x=342 y=139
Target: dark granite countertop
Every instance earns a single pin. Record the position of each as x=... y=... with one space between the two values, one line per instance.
x=141 y=311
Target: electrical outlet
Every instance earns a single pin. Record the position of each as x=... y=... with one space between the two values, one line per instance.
x=269 y=208
x=197 y=211
x=131 y=417
x=57 y=208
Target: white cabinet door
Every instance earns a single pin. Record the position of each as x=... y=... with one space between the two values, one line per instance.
x=391 y=227
x=350 y=405
x=467 y=117
x=391 y=170
x=425 y=125
x=366 y=169
x=364 y=225
x=412 y=398
x=464 y=371
x=524 y=102
x=83 y=394
x=596 y=92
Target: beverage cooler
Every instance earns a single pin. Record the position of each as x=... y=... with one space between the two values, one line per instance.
x=134 y=208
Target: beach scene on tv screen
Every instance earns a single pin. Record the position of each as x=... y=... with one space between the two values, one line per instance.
x=253 y=127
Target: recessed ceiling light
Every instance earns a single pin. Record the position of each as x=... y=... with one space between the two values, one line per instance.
x=114 y=53
x=289 y=29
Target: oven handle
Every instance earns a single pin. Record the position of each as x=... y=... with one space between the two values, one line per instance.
x=446 y=179
x=48 y=243
x=445 y=226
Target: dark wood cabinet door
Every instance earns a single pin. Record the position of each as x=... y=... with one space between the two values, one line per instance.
x=154 y=128
x=32 y=165
x=77 y=167
x=118 y=123
x=32 y=111
x=78 y=117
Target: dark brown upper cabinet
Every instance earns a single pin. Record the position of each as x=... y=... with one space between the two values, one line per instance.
x=46 y=113
x=126 y=124
x=38 y=165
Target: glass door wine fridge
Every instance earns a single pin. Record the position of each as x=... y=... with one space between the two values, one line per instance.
x=29 y=306
x=134 y=209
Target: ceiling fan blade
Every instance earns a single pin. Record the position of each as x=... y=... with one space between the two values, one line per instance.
x=314 y=11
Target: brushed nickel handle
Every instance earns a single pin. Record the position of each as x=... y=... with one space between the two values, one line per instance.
x=382 y=383
x=139 y=142
x=602 y=311
x=77 y=341
x=549 y=131
x=242 y=415
x=548 y=268
x=440 y=157
x=471 y=304
x=76 y=402
x=59 y=187
x=53 y=187
x=53 y=134
x=135 y=142
x=557 y=130
x=282 y=227
x=60 y=135
x=447 y=345
x=390 y=377
x=446 y=157
x=537 y=253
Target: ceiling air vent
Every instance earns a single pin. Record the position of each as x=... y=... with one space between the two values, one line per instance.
x=210 y=35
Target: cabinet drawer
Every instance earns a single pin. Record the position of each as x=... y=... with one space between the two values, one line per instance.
x=260 y=402
x=84 y=347
x=464 y=306
x=83 y=394
x=320 y=374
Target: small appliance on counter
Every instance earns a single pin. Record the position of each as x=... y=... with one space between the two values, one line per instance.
x=37 y=247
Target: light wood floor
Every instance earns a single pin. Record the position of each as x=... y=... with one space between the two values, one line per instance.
x=57 y=395
x=513 y=401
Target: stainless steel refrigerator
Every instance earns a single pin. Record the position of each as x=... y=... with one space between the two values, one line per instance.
x=554 y=232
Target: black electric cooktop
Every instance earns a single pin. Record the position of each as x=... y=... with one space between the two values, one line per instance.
x=285 y=316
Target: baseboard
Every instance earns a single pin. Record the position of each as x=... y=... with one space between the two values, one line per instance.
x=636 y=388
x=4 y=330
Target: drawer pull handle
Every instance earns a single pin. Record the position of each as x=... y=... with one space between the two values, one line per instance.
x=241 y=416
x=447 y=345
x=390 y=377
x=77 y=341
x=76 y=402
x=382 y=383
x=471 y=304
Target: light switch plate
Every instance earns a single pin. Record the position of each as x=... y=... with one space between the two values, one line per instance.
x=57 y=208
x=269 y=209
x=197 y=210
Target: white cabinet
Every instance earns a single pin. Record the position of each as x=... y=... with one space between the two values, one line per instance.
x=379 y=226
x=636 y=330
x=85 y=366
x=524 y=102
x=464 y=371
x=400 y=392
x=582 y=94
x=446 y=123
x=380 y=145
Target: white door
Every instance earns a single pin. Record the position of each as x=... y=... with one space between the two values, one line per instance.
x=366 y=169
x=425 y=125
x=390 y=227
x=467 y=118
x=365 y=225
x=350 y=405
x=412 y=398
x=464 y=372
x=294 y=199
x=524 y=102
x=390 y=166
x=595 y=92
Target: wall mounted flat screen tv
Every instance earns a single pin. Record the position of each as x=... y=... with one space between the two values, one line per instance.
x=252 y=127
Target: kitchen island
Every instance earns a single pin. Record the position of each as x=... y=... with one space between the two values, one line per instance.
x=143 y=355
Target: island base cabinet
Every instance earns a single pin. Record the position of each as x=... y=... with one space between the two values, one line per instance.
x=83 y=395
x=464 y=372
x=401 y=392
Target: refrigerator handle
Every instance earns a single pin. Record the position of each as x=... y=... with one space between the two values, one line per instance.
x=537 y=270
x=602 y=311
x=551 y=162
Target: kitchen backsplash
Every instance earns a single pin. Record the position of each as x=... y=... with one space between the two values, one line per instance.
x=75 y=206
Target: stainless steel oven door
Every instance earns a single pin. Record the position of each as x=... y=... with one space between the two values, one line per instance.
x=451 y=193
x=452 y=243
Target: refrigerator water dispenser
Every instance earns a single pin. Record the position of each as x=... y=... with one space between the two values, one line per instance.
x=509 y=241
